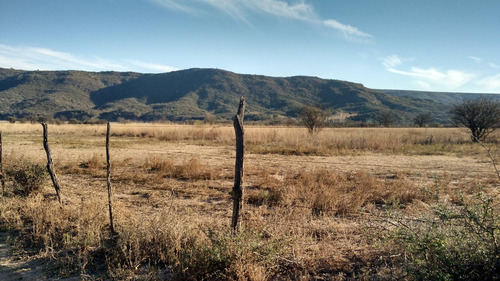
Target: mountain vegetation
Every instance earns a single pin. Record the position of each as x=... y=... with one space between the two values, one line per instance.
x=200 y=94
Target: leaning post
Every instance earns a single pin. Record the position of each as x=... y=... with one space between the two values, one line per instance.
x=50 y=163
x=1 y=167
x=108 y=180
x=238 y=167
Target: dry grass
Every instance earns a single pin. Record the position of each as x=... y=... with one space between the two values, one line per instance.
x=306 y=217
x=280 y=140
x=329 y=193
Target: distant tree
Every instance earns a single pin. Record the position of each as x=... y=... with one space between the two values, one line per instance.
x=74 y=121
x=480 y=116
x=385 y=118
x=121 y=120
x=32 y=119
x=422 y=119
x=313 y=117
x=210 y=119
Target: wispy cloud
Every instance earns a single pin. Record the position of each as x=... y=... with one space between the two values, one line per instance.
x=299 y=11
x=492 y=83
x=450 y=79
x=348 y=31
x=391 y=61
x=173 y=5
x=33 y=58
x=492 y=65
x=480 y=61
x=239 y=9
x=152 y=67
x=430 y=77
x=476 y=59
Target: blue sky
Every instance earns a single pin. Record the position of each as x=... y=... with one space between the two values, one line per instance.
x=432 y=45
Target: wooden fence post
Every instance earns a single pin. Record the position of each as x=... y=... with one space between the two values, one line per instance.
x=50 y=163
x=108 y=180
x=1 y=167
x=238 y=167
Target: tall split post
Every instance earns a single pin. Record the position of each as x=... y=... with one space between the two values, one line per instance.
x=238 y=167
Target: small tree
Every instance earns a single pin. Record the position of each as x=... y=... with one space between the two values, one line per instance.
x=386 y=118
x=422 y=119
x=480 y=116
x=314 y=118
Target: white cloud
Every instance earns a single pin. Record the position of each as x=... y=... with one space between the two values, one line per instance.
x=35 y=58
x=476 y=59
x=299 y=11
x=450 y=79
x=238 y=9
x=423 y=85
x=31 y=58
x=173 y=5
x=431 y=77
x=493 y=65
x=347 y=30
x=391 y=61
x=153 y=67
x=492 y=83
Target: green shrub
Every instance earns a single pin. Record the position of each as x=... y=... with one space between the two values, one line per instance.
x=247 y=255
x=458 y=243
x=28 y=178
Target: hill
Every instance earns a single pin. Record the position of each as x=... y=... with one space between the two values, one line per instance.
x=196 y=94
x=446 y=98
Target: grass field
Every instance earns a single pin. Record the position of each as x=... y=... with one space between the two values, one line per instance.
x=339 y=205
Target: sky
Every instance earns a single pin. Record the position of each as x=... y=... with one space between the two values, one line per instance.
x=424 y=45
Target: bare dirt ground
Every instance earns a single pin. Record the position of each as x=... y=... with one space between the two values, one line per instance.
x=12 y=268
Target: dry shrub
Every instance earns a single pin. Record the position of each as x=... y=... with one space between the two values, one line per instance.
x=95 y=162
x=267 y=188
x=193 y=169
x=149 y=244
x=225 y=256
x=157 y=164
x=94 y=165
x=188 y=169
x=67 y=234
x=28 y=177
x=165 y=245
x=71 y=168
x=75 y=237
x=324 y=191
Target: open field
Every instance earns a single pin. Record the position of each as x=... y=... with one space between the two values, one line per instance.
x=316 y=207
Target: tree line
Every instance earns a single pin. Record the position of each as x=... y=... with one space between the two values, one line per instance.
x=481 y=116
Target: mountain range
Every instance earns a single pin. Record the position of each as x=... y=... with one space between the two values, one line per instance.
x=197 y=94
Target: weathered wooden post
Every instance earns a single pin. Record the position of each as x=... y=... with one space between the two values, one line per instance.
x=50 y=163
x=108 y=180
x=1 y=167
x=238 y=167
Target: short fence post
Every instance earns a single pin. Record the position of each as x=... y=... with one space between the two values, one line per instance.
x=1 y=167
x=238 y=167
x=108 y=180
x=50 y=163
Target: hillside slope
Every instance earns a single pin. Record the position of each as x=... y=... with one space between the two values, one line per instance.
x=192 y=94
x=446 y=98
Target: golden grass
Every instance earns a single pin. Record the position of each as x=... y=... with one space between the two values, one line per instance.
x=172 y=200
x=281 y=140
